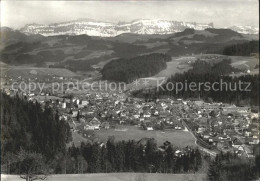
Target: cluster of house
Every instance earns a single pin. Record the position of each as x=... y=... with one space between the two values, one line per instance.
x=223 y=126
x=226 y=127
x=100 y=110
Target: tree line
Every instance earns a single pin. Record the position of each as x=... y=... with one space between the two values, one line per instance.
x=131 y=156
x=242 y=49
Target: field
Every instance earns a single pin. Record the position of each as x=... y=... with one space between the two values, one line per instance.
x=173 y=67
x=176 y=65
x=244 y=62
x=24 y=71
x=117 y=177
x=145 y=82
x=184 y=63
x=177 y=138
x=181 y=64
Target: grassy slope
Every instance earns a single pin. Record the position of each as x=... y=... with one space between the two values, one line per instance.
x=117 y=177
x=239 y=62
x=172 y=68
x=249 y=62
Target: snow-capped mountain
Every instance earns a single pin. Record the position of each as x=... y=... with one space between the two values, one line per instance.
x=245 y=29
x=107 y=29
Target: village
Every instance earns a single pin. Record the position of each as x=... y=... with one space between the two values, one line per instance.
x=215 y=126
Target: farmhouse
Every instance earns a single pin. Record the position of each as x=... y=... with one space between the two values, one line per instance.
x=94 y=124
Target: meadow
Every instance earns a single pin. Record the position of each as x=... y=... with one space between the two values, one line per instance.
x=173 y=67
x=117 y=177
x=178 y=138
x=25 y=72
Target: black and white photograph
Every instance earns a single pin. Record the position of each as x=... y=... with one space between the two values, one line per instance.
x=129 y=90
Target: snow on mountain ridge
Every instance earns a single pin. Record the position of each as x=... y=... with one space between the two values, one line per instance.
x=108 y=29
x=245 y=29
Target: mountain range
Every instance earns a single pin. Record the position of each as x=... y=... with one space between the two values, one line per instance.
x=107 y=29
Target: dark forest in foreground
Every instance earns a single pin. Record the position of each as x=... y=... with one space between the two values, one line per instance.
x=229 y=167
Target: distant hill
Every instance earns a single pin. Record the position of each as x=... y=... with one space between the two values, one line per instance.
x=9 y=35
x=74 y=51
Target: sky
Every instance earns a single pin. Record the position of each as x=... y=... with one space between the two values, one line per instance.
x=223 y=13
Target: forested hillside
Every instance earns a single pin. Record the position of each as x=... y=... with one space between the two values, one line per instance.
x=242 y=49
x=202 y=72
x=26 y=126
x=127 y=70
x=220 y=68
